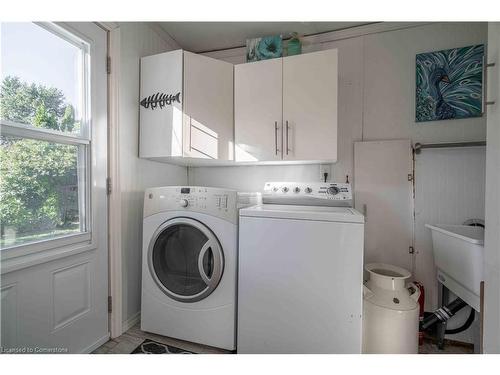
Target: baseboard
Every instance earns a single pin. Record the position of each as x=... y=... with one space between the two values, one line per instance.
x=95 y=345
x=130 y=322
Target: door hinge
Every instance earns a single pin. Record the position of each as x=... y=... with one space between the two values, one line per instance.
x=110 y=304
x=411 y=250
x=108 y=186
x=108 y=64
x=410 y=176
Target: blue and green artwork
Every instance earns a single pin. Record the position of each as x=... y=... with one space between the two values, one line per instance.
x=267 y=47
x=449 y=84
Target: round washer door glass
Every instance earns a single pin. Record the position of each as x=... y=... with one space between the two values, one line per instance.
x=185 y=259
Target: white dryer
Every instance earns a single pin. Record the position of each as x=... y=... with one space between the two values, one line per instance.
x=300 y=277
x=189 y=264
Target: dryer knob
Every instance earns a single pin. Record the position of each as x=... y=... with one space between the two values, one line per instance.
x=183 y=203
x=333 y=190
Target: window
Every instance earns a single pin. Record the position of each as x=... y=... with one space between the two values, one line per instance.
x=45 y=136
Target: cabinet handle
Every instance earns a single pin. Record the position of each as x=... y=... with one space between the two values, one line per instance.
x=282 y=135
x=276 y=137
x=287 y=127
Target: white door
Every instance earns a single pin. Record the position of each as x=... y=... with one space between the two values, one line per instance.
x=310 y=106
x=383 y=192
x=258 y=111
x=208 y=108
x=54 y=260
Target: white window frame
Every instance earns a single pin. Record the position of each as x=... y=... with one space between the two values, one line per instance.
x=23 y=255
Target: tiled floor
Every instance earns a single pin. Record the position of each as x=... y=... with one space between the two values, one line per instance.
x=131 y=339
x=450 y=347
x=127 y=342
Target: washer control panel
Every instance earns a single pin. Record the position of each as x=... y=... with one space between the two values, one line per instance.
x=308 y=193
x=211 y=201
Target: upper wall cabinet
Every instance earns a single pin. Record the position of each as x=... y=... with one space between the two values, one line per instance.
x=286 y=109
x=186 y=108
x=258 y=96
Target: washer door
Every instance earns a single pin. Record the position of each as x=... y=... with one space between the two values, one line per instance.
x=185 y=259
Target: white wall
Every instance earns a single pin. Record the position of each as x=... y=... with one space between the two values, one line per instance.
x=377 y=102
x=137 y=40
x=492 y=235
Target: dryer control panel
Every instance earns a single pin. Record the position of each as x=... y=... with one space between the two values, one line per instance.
x=308 y=193
x=212 y=201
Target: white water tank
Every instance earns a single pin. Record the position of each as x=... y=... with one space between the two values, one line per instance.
x=390 y=311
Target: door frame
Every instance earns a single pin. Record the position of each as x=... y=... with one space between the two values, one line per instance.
x=115 y=284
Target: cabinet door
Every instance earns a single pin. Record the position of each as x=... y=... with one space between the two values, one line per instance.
x=161 y=124
x=310 y=106
x=208 y=108
x=258 y=111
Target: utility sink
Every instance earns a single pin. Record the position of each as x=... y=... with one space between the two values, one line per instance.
x=458 y=255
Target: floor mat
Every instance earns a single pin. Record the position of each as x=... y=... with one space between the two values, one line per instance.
x=153 y=347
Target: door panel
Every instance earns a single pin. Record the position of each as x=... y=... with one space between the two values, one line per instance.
x=258 y=111
x=208 y=107
x=310 y=106
x=382 y=191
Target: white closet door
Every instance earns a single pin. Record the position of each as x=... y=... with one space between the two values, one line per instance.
x=208 y=108
x=382 y=191
x=258 y=111
x=310 y=106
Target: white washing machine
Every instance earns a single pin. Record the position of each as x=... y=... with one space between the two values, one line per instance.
x=189 y=264
x=300 y=282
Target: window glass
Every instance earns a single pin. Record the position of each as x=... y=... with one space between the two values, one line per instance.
x=40 y=196
x=43 y=178
x=41 y=78
x=175 y=259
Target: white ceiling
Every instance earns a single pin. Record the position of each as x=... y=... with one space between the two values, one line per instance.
x=209 y=36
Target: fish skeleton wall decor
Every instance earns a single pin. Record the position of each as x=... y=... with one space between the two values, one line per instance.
x=160 y=100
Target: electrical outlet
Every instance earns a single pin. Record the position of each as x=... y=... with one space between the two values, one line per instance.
x=325 y=168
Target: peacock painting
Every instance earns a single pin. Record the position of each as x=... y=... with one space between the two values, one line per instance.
x=449 y=84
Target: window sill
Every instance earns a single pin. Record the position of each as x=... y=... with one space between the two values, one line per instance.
x=19 y=257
